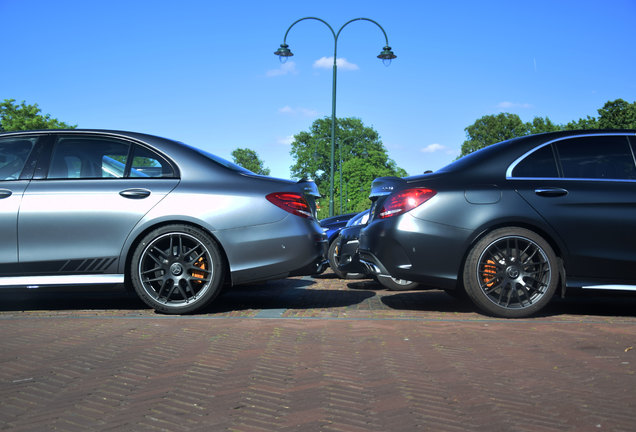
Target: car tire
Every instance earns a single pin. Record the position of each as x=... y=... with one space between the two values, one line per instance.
x=395 y=284
x=177 y=269
x=511 y=273
x=333 y=262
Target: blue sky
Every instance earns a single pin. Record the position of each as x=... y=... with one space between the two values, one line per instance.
x=204 y=72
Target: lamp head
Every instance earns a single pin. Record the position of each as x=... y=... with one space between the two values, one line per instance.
x=283 y=52
x=387 y=55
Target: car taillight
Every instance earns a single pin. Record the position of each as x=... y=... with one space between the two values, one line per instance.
x=404 y=201
x=291 y=202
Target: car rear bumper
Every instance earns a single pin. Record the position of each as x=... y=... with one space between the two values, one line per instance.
x=316 y=267
x=293 y=246
x=413 y=249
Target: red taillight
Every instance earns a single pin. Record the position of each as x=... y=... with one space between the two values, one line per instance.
x=404 y=201
x=291 y=202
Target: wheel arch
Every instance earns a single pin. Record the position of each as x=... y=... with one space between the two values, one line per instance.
x=552 y=240
x=133 y=245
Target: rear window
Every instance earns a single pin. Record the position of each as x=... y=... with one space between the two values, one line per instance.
x=540 y=163
x=221 y=161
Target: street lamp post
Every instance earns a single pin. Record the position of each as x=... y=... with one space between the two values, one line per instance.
x=284 y=52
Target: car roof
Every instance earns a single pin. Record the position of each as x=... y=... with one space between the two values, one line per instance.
x=191 y=162
x=106 y=132
x=178 y=152
x=507 y=151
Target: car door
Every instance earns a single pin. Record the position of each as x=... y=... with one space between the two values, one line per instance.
x=14 y=153
x=592 y=206
x=78 y=211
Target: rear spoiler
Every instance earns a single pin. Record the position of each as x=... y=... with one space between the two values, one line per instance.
x=309 y=188
x=383 y=186
x=311 y=193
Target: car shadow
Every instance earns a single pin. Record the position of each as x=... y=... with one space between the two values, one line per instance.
x=297 y=293
x=284 y=294
x=69 y=298
x=365 y=284
x=576 y=302
x=593 y=302
x=326 y=275
x=289 y=293
x=430 y=300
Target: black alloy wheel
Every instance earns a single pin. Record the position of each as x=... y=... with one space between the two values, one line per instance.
x=177 y=269
x=511 y=273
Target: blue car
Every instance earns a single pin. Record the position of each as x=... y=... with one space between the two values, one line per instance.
x=331 y=226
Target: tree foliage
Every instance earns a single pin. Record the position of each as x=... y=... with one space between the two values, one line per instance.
x=582 y=124
x=363 y=157
x=542 y=124
x=490 y=129
x=14 y=117
x=617 y=114
x=248 y=159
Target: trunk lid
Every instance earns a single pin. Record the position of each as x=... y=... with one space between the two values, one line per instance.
x=311 y=193
x=382 y=187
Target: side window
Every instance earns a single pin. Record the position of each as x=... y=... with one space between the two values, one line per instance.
x=87 y=157
x=146 y=163
x=599 y=157
x=14 y=153
x=540 y=163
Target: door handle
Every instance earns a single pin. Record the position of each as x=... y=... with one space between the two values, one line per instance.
x=135 y=193
x=5 y=193
x=551 y=192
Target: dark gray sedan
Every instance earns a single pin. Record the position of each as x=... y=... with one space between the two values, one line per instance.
x=86 y=207
x=513 y=222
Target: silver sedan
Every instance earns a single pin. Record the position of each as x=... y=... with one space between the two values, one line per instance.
x=172 y=222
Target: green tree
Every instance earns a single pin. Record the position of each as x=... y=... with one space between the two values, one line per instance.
x=582 y=124
x=15 y=117
x=541 y=125
x=617 y=114
x=363 y=155
x=248 y=159
x=491 y=129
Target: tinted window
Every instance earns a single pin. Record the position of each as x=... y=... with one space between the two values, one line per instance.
x=221 y=161
x=540 y=163
x=600 y=157
x=146 y=163
x=86 y=157
x=481 y=156
x=14 y=153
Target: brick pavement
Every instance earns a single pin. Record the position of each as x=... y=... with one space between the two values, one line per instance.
x=318 y=354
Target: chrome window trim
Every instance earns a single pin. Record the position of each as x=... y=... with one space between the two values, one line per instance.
x=573 y=179
x=514 y=164
x=118 y=135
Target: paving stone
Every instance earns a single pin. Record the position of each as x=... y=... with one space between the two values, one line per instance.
x=314 y=354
